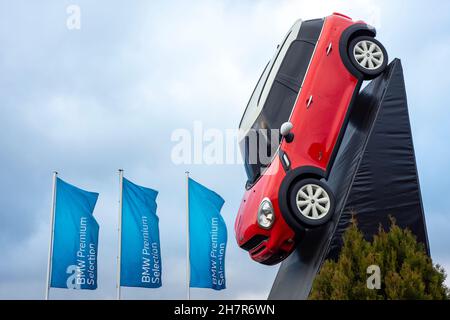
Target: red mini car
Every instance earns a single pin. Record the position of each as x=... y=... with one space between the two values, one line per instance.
x=292 y=128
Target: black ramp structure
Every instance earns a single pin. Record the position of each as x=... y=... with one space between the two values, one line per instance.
x=373 y=177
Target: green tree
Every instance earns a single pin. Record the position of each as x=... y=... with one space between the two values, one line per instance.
x=406 y=270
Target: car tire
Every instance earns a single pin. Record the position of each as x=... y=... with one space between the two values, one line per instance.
x=312 y=202
x=368 y=55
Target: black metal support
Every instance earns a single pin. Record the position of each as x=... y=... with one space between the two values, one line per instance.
x=373 y=177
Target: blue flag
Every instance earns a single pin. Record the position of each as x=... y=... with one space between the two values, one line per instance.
x=207 y=238
x=75 y=240
x=141 y=256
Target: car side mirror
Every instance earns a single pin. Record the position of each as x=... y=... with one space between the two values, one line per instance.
x=285 y=131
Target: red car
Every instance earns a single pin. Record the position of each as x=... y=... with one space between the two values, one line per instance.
x=292 y=128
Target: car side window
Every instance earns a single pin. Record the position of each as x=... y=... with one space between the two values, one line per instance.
x=279 y=104
x=296 y=62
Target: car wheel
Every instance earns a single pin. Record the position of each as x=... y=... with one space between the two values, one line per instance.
x=312 y=202
x=368 y=55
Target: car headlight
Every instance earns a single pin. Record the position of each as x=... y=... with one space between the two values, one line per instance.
x=266 y=215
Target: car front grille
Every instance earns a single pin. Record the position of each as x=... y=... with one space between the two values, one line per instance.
x=254 y=242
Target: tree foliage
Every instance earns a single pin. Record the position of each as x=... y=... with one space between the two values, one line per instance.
x=406 y=270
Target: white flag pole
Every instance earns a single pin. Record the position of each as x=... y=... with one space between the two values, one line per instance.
x=188 y=267
x=119 y=254
x=52 y=229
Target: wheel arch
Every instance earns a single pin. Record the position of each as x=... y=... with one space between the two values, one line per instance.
x=355 y=30
x=292 y=176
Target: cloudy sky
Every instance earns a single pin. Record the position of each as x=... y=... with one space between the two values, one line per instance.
x=87 y=102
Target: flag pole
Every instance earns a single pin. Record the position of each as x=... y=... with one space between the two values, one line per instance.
x=188 y=267
x=119 y=229
x=52 y=229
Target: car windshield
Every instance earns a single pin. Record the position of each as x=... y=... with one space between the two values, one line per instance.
x=271 y=103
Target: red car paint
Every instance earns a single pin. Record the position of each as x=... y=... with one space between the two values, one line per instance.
x=316 y=129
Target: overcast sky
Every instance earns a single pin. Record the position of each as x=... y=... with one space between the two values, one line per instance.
x=87 y=102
